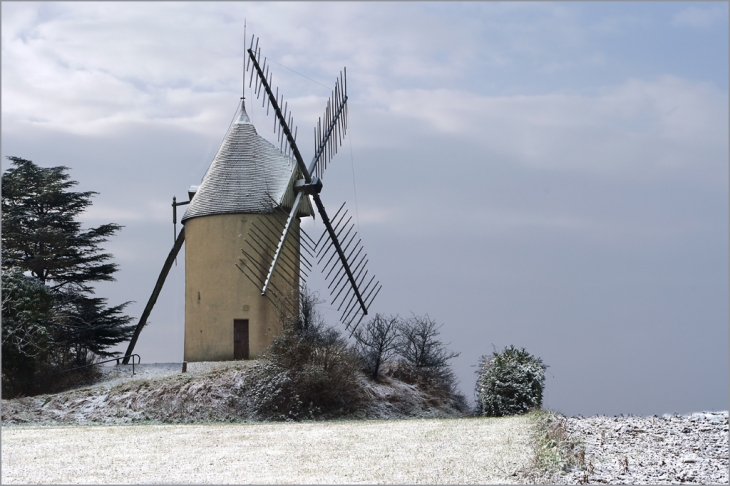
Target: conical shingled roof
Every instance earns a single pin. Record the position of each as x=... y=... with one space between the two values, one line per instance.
x=246 y=175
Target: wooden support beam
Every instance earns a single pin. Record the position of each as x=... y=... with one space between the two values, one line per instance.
x=156 y=292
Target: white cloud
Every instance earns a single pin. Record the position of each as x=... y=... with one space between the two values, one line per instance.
x=82 y=68
x=641 y=124
x=375 y=216
x=700 y=18
x=428 y=218
x=93 y=68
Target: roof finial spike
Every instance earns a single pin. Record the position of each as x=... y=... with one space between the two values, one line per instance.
x=243 y=116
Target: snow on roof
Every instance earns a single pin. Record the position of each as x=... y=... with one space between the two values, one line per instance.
x=246 y=176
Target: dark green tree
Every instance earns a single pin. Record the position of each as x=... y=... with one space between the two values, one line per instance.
x=40 y=234
x=48 y=259
x=27 y=331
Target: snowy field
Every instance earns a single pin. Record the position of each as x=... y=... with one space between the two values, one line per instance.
x=473 y=450
x=670 y=449
x=77 y=437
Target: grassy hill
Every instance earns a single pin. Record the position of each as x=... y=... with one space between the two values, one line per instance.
x=208 y=392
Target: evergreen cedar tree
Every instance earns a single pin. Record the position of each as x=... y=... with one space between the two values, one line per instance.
x=49 y=264
x=40 y=234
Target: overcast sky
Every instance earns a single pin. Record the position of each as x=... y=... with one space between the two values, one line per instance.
x=548 y=175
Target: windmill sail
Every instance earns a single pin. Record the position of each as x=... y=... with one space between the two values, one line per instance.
x=351 y=301
x=328 y=136
x=295 y=260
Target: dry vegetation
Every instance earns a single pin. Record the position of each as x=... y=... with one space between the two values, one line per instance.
x=554 y=450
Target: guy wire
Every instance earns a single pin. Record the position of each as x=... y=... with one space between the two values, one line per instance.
x=300 y=74
x=352 y=164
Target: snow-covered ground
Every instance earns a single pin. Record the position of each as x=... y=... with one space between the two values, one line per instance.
x=652 y=450
x=431 y=451
x=207 y=392
x=156 y=392
x=77 y=437
x=115 y=374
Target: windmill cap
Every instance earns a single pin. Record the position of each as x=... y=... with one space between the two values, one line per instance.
x=247 y=176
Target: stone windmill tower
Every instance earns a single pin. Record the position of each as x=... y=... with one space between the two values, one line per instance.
x=243 y=258
x=225 y=316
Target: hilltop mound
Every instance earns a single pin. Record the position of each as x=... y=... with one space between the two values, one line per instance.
x=208 y=392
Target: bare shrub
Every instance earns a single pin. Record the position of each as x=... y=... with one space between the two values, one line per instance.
x=376 y=342
x=419 y=346
x=425 y=359
x=308 y=372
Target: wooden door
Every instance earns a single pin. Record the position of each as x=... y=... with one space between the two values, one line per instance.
x=240 y=339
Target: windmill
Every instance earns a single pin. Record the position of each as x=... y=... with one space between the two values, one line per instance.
x=251 y=201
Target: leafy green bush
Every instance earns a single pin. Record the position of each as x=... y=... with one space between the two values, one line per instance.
x=509 y=383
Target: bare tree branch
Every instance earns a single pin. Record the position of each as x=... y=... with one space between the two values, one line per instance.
x=376 y=342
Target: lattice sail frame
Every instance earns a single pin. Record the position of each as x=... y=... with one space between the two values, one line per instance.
x=328 y=134
x=261 y=242
x=338 y=284
x=331 y=126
